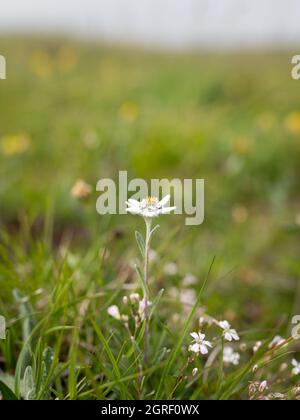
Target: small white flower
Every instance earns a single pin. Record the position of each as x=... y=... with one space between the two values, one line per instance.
x=283 y=367
x=199 y=344
x=171 y=269
x=277 y=341
x=229 y=333
x=257 y=346
x=296 y=369
x=134 y=298
x=263 y=386
x=201 y=321
x=142 y=308
x=230 y=357
x=188 y=297
x=114 y=312
x=189 y=280
x=153 y=256
x=149 y=207
x=243 y=347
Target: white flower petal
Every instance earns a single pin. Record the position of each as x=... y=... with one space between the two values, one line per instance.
x=201 y=337
x=194 y=348
x=150 y=213
x=114 y=312
x=164 y=201
x=227 y=336
x=134 y=210
x=194 y=335
x=133 y=202
x=234 y=335
x=203 y=349
x=225 y=325
x=167 y=210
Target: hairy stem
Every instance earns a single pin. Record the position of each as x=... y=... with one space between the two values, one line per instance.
x=146 y=293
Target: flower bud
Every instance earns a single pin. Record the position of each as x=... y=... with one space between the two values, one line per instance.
x=134 y=298
x=195 y=371
x=263 y=386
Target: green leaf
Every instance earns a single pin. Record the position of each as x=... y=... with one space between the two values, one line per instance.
x=115 y=371
x=141 y=243
x=142 y=283
x=47 y=359
x=7 y=393
x=28 y=384
x=59 y=328
x=23 y=362
x=178 y=346
x=155 y=302
x=26 y=313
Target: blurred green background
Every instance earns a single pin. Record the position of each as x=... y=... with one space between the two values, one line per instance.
x=74 y=111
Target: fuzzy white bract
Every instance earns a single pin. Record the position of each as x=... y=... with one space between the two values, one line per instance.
x=228 y=332
x=296 y=369
x=199 y=344
x=149 y=207
x=230 y=357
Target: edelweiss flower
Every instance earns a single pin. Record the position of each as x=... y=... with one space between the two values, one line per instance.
x=149 y=207
x=296 y=370
x=199 y=344
x=229 y=333
x=230 y=357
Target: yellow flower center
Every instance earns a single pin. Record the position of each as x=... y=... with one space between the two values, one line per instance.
x=151 y=201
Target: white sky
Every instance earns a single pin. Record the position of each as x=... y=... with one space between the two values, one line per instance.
x=168 y=23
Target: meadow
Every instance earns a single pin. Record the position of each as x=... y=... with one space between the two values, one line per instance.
x=81 y=111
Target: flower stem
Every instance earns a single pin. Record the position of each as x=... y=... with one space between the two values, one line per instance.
x=146 y=292
x=221 y=368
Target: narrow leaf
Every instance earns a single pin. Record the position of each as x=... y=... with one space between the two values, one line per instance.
x=6 y=392
x=141 y=243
